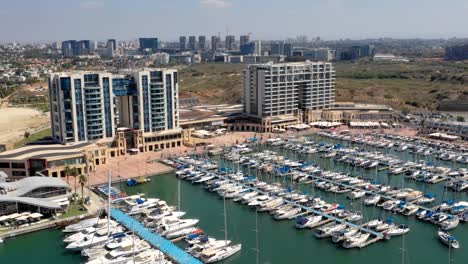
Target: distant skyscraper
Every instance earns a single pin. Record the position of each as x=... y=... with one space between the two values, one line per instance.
x=251 y=48
x=112 y=43
x=183 y=42
x=215 y=41
x=83 y=47
x=277 y=48
x=69 y=48
x=244 y=39
x=192 y=43
x=202 y=42
x=288 y=49
x=230 y=41
x=149 y=44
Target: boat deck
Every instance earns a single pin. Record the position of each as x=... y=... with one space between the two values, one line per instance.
x=174 y=252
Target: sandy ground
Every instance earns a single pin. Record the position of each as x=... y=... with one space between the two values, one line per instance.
x=14 y=121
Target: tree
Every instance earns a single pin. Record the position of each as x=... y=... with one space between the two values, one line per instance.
x=460 y=119
x=82 y=181
x=26 y=134
x=67 y=171
x=74 y=173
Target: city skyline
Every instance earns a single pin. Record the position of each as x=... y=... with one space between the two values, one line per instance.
x=52 y=20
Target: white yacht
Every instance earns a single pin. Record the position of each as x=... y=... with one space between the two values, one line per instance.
x=326 y=231
x=397 y=230
x=356 y=195
x=372 y=200
x=165 y=229
x=448 y=239
x=344 y=234
x=96 y=238
x=150 y=256
x=140 y=205
x=84 y=224
x=451 y=222
x=181 y=232
x=358 y=240
x=113 y=228
x=288 y=213
x=305 y=222
x=197 y=249
x=215 y=255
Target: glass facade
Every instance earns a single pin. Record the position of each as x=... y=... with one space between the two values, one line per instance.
x=146 y=115
x=79 y=110
x=107 y=106
x=169 y=101
x=65 y=85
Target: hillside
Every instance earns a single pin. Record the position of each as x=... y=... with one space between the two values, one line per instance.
x=415 y=85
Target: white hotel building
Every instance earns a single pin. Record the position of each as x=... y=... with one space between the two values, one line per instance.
x=286 y=93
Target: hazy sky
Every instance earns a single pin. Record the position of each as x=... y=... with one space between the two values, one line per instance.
x=37 y=20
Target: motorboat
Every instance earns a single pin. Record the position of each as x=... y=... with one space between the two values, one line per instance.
x=152 y=256
x=374 y=223
x=89 y=231
x=451 y=222
x=410 y=209
x=357 y=240
x=356 y=195
x=287 y=214
x=426 y=199
x=215 y=255
x=84 y=224
x=343 y=234
x=119 y=255
x=397 y=230
x=197 y=249
x=388 y=205
x=326 y=231
x=97 y=238
x=166 y=229
x=448 y=239
x=141 y=204
x=372 y=200
x=385 y=225
x=181 y=232
x=306 y=222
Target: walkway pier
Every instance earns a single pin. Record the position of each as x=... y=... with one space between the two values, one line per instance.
x=167 y=247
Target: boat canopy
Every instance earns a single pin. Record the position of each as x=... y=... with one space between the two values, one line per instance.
x=430 y=195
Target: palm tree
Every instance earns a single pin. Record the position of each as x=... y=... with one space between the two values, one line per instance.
x=74 y=173
x=82 y=181
x=67 y=171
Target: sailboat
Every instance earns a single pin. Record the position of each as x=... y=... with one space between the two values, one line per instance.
x=215 y=255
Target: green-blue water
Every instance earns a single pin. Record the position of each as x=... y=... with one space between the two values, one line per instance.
x=278 y=241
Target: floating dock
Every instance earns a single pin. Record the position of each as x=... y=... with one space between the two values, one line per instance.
x=167 y=247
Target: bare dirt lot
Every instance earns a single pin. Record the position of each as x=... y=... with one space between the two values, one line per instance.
x=14 y=121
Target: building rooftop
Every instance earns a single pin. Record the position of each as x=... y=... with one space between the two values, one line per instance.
x=43 y=151
x=23 y=186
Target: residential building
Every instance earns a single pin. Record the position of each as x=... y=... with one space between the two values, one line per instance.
x=215 y=42
x=149 y=44
x=277 y=48
x=69 y=48
x=244 y=39
x=230 y=42
x=251 y=48
x=83 y=47
x=91 y=106
x=288 y=49
x=456 y=52
x=192 y=43
x=183 y=42
x=202 y=42
x=112 y=43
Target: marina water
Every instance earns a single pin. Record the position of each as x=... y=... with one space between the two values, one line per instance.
x=278 y=241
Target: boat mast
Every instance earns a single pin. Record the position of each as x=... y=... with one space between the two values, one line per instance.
x=225 y=221
x=256 y=234
x=133 y=240
x=178 y=195
x=109 y=203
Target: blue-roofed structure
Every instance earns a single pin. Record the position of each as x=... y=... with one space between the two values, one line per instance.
x=167 y=247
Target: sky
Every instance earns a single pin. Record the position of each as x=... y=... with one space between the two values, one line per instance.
x=54 y=20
